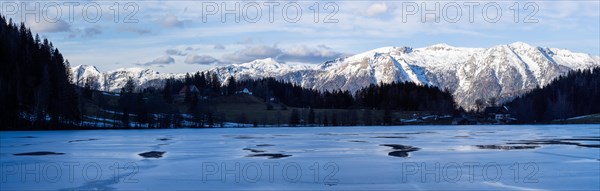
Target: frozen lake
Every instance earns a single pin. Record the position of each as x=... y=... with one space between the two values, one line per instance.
x=549 y=157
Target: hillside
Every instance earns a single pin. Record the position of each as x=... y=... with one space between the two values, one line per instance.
x=568 y=98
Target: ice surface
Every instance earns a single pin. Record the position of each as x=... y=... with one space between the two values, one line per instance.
x=347 y=158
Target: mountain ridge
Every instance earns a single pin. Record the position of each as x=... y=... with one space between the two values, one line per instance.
x=501 y=72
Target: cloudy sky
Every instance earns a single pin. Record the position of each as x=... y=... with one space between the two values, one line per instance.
x=187 y=36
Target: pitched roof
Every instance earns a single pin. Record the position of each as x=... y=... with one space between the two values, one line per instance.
x=189 y=89
x=497 y=109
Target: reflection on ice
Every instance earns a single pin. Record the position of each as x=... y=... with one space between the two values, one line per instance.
x=152 y=154
x=81 y=140
x=506 y=147
x=254 y=150
x=39 y=153
x=270 y=155
x=400 y=150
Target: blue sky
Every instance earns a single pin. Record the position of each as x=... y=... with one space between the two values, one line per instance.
x=187 y=36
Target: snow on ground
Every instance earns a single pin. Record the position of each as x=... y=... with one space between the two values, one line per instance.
x=332 y=158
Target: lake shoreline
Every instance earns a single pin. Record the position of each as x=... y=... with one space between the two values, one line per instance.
x=298 y=126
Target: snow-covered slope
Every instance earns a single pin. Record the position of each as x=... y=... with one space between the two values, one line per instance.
x=116 y=79
x=500 y=72
x=261 y=68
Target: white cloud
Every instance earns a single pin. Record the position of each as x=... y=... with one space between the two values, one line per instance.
x=174 y=52
x=91 y=31
x=323 y=46
x=303 y=53
x=219 y=47
x=85 y=32
x=252 y=53
x=296 y=53
x=376 y=9
x=160 y=61
x=139 y=31
x=201 y=59
x=171 y=21
x=45 y=26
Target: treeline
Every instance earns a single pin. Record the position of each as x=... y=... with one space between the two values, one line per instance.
x=293 y=95
x=574 y=94
x=34 y=82
x=208 y=84
x=398 y=96
x=373 y=105
x=406 y=97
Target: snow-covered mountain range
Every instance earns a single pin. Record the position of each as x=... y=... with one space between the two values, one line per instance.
x=500 y=72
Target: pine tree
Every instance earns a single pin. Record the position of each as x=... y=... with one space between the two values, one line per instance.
x=231 y=86
x=387 y=117
x=294 y=118
x=168 y=91
x=34 y=82
x=311 y=117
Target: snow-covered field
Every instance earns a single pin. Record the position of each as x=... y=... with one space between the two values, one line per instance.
x=553 y=157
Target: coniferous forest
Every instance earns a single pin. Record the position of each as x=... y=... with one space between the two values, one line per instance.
x=572 y=95
x=34 y=82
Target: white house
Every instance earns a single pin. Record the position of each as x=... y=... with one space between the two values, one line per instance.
x=245 y=91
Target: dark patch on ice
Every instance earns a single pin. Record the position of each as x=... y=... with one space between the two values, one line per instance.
x=152 y=154
x=399 y=147
x=581 y=139
x=326 y=134
x=243 y=137
x=39 y=153
x=338 y=134
x=164 y=139
x=81 y=140
x=402 y=154
x=391 y=137
x=507 y=147
x=400 y=150
x=462 y=137
x=270 y=155
x=566 y=141
x=589 y=145
x=254 y=150
x=163 y=144
x=26 y=137
x=593 y=137
x=357 y=141
x=265 y=145
x=486 y=132
x=415 y=133
x=20 y=145
x=282 y=135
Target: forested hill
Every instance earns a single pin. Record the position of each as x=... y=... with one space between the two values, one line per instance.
x=575 y=94
x=397 y=96
x=34 y=81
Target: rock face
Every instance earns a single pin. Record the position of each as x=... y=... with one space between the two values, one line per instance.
x=501 y=72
